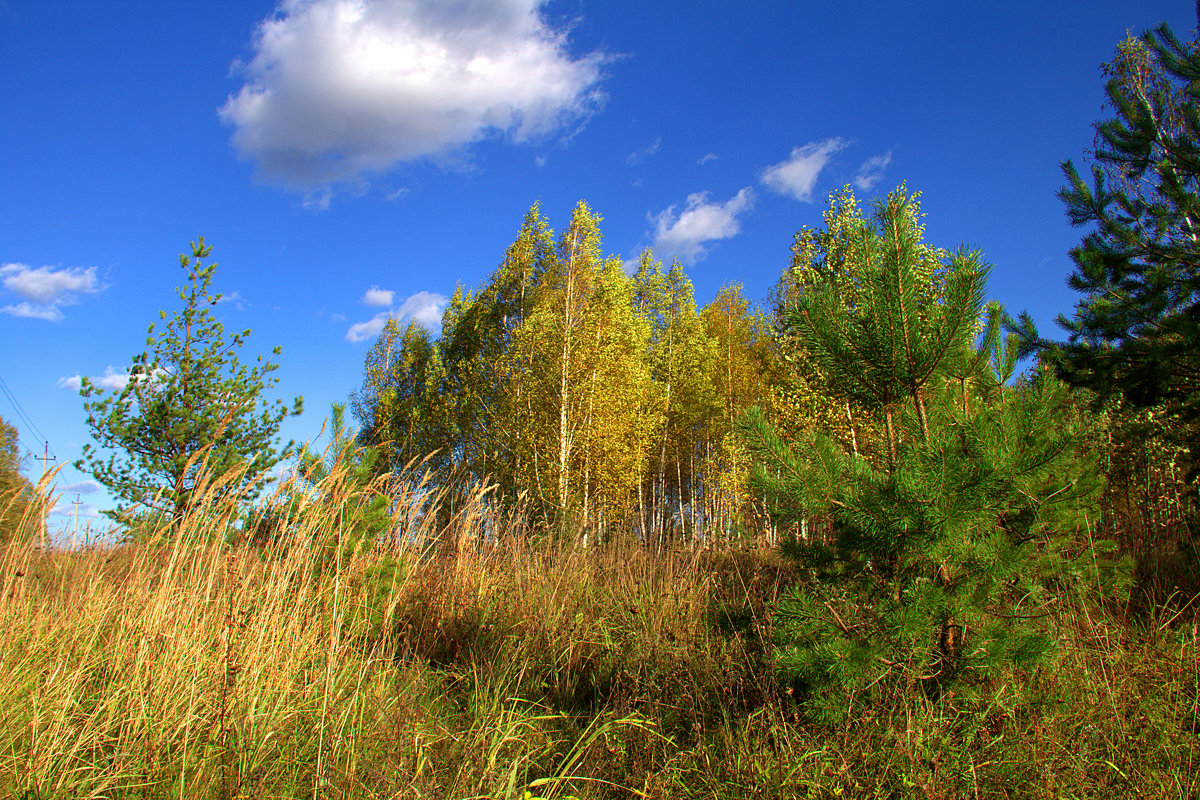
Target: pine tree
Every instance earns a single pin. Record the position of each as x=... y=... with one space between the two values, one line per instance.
x=903 y=321
x=936 y=569
x=1136 y=330
x=192 y=420
x=343 y=479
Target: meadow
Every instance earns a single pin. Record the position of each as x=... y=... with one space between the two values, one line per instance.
x=470 y=657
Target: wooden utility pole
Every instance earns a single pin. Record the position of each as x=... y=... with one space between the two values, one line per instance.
x=46 y=459
x=75 y=525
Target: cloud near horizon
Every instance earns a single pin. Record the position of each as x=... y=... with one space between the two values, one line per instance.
x=423 y=307
x=338 y=89
x=44 y=290
x=796 y=176
x=686 y=235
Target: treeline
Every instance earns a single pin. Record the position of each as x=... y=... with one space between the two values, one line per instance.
x=17 y=498
x=603 y=395
x=590 y=393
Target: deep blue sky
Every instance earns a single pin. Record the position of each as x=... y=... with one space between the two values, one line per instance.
x=329 y=147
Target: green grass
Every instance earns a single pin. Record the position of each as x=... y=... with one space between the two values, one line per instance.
x=462 y=669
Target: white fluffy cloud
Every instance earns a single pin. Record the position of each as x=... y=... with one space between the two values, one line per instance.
x=685 y=235
x=361 y=331
x=424 y=307
x=871 y=171
x=339 y=88
x=796 y=176
x=378 y=297
x=45 y=289
x=111 y=379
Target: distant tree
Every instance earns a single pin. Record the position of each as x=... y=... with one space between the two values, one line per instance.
x=192 y=415
x=16 y=493
x=401 y=403
x=342 y=481
x=1136 y=331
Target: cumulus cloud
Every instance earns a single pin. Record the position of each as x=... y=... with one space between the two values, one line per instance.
x=46 y=289
x=796 y=176
x=642 y=153
x=340 y=88
x=871 y=171
x=685 y=235
x=423 y=307
x=111 y=379
x=378 y=297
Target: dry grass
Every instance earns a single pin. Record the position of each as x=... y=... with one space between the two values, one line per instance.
x=480 y=666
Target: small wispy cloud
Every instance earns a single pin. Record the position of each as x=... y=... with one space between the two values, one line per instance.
x=423 y=307
x=239 y=302
x=50 y=313
x=318 y=200
x=686 y=235
x=83 y=487
x=378 y=297
x=707 y=157
x=45 y=290
x=871 y=171
x=642 y=153
x=796 y=176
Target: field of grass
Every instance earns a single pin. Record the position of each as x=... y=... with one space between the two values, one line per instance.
x=497 y=667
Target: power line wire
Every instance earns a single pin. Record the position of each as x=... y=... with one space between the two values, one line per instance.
x=24 y=417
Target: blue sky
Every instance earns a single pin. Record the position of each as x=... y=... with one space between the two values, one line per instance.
x=350 y=158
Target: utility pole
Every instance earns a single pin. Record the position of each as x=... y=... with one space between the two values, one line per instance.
x=75 y=526
x=46 y=459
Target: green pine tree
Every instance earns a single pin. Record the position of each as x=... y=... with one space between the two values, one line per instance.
x=341 y=483
x=1136 y=330
x=937 y=567
x=192 y=421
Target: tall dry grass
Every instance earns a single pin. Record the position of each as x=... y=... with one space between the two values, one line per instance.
x=470 y=660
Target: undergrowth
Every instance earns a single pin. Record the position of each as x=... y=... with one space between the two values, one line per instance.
x=454 y=664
